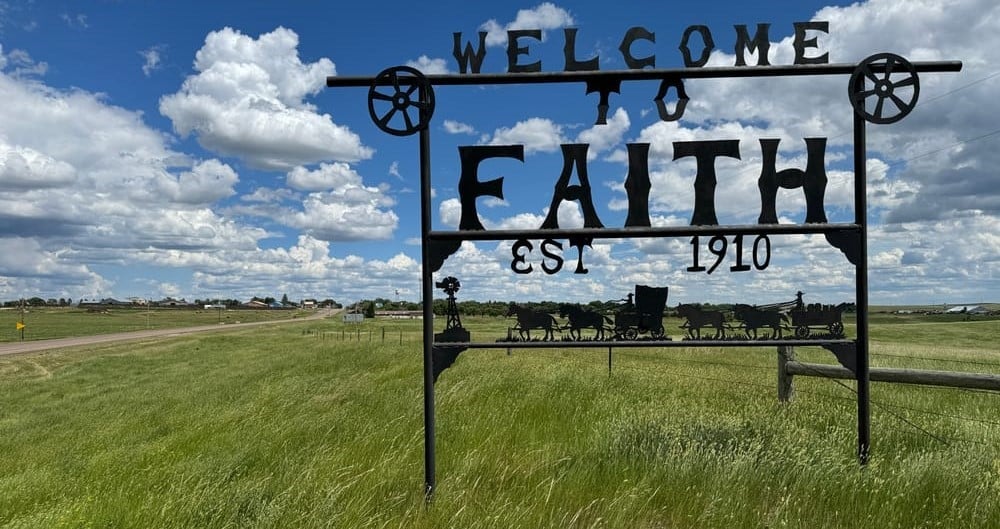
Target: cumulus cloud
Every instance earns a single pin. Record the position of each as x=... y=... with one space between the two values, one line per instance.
x=20 y=64
x=25 y=266
x=25 y=168
x=536 y=134
x=247 y=99
x=327 y=176
x=604 y=137
x=306 y=268
x=429 y=66
x=84 y=182
x=939 y=159
x=544 y=16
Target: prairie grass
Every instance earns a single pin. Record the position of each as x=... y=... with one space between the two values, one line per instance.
x=43 y=323
x=315 y=424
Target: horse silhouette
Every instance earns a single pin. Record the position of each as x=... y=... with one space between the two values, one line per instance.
x=754 y=318
x=528 y=319
x=698 y=318
x=580 y=318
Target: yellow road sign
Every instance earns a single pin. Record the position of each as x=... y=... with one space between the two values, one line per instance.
x=20 y=326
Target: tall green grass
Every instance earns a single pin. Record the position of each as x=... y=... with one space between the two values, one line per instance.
x=296 y=427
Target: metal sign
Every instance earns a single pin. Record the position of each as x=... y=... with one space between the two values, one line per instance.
x=881 y=89
x=354 y=317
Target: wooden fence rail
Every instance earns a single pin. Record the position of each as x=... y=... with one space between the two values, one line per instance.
x=788 y=368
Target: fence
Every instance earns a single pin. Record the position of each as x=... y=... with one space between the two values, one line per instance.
x=788 y=368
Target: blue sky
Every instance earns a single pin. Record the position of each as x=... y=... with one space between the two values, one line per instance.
x=192 y=150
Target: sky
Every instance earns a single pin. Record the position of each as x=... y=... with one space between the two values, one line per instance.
x=192 y=149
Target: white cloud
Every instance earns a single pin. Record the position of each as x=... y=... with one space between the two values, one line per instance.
x=457 y=127
x=327 y=176
x=86 y=182
x=429 y=66
x=607 y=136
x=205 y=183
x=151 y=60
x=394 y=170
x=536 y=134
x=544 y=16
x=247 y=100
x=21 y=63
x=25 y=168
x=347 y=213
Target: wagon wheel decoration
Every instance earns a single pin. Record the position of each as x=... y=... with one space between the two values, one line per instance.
x=873 y=77
x=407 y=87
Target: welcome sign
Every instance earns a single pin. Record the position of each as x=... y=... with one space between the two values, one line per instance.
x=881 y=89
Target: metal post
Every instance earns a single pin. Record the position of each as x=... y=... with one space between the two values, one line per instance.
x=861 y=281
x=609 y=361
x=428 y=298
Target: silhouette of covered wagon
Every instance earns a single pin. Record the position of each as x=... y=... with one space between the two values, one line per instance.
x=641 y=315
x=816 y=317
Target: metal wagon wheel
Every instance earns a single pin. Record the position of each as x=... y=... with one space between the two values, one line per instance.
x=409 y=88
x=873 y=77
x=802 y=332
x=836 y=328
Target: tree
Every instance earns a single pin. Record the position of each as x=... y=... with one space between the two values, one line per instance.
x=370 y=310
x=284 y=299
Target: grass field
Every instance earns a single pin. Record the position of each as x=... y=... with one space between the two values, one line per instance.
x=42 y=323
x=317 y=425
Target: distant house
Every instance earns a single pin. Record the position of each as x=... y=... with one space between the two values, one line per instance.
x=309 y=303
x=968 y=309
x=171 y=302
x=255 y=304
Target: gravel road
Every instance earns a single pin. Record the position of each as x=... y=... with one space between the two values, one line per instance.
x=61 y=343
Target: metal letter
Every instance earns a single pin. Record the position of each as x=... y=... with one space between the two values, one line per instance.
x=760 y=44
x=554 y=256
x=573 y=154
x=469 y=56
x=520 y=257
x=682 y=99
x=812 y=180
x=801 y=42
x=569 y=51
x=579 y=243
x=513 y=51
x=633 y=34
x=706 y=38
x=469 y=186
x=637 y=185
x=705 y=152
x=605 y=87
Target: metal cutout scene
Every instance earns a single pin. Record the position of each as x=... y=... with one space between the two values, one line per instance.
x=881 y=89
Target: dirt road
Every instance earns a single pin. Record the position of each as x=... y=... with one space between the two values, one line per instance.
x=60 y=343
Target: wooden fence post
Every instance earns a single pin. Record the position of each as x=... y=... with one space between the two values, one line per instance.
x=786 y=391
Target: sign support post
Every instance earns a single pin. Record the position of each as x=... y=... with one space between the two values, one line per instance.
x=861 y=282
x=428 y=298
